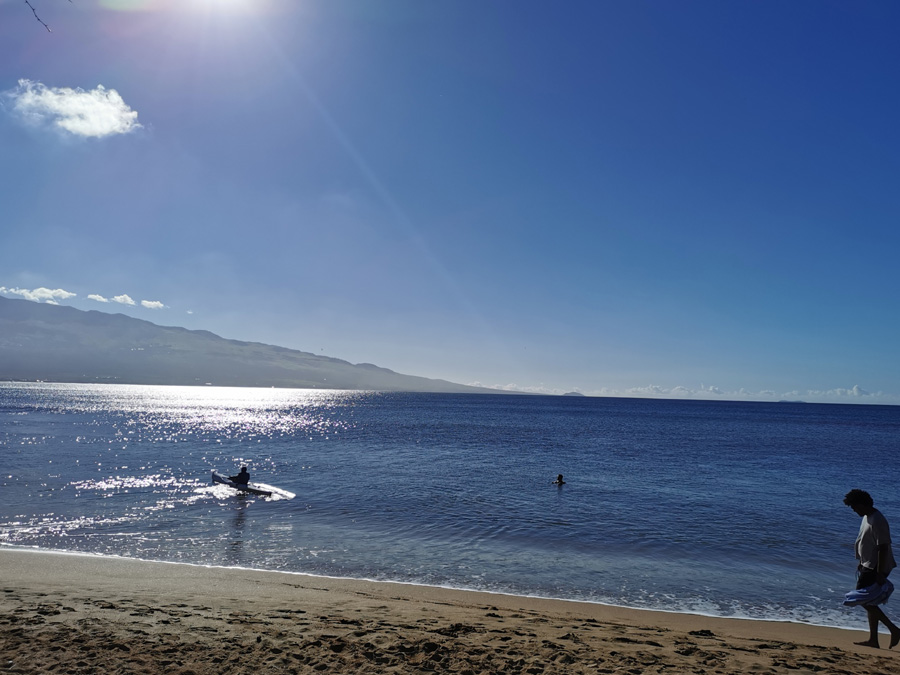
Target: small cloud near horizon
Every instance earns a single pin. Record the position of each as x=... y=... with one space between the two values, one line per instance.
x=47 y=295
x=53 y=296
x=97 y=113
x=855 y=394
x=836 y=395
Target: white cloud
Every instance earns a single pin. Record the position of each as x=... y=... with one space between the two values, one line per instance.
x=152 y=304
x=855 y=394
x=655 y=391
x=98 y=298
x=123 y=299
x=95 y=114
x=840 y=393
x=39 y=294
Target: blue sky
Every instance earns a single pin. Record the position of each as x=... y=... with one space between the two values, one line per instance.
x=674 y=199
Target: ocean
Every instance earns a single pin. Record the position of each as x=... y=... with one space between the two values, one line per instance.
x=718 y=508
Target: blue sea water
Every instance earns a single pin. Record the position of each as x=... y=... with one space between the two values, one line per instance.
x=727 y=509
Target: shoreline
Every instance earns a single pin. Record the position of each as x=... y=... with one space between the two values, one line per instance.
x=94 y=613
x=414 y=585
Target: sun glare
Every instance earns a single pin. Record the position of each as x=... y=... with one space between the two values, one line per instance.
x=231 y=5
x=190 y=5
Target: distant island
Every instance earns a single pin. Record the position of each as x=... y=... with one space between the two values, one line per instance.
x=56 y=343
x=573 y=393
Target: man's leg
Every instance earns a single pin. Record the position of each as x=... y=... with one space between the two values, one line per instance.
x=895 y=632
x=875 y=614
x=873 y=628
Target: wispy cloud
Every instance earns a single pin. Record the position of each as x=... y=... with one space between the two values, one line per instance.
x=92 y=114
x=839 y=393
x=53 y=296
x=855 y=394
x=126 y=299
x=39 y=294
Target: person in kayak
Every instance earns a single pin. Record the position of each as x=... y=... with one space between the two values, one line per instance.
x=242 y=478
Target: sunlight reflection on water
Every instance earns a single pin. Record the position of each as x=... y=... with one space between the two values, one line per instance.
x=452 y=490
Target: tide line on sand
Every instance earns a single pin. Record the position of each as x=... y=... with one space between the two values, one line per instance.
x=80 y=614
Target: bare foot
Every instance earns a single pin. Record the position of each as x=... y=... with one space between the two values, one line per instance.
x=895 y=638
x=870 y=643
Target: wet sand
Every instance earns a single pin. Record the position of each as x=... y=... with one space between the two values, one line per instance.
x=81 y=614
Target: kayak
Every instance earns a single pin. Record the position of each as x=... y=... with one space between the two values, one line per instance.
x=252 y=488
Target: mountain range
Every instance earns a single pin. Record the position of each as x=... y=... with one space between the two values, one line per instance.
x=56 y=343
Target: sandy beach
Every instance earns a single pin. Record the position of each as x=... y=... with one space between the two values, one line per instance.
x=82 y=614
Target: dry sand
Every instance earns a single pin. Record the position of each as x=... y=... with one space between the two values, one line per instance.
x=81 y=614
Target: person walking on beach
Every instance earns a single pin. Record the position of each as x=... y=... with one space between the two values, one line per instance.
x=876 y=560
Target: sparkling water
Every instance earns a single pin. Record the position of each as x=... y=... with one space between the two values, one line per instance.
x=728 y=509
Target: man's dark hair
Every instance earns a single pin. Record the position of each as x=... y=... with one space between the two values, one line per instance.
x=858 y=498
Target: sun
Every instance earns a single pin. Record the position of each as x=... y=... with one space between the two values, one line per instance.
x=232 y=5
x=190 y=5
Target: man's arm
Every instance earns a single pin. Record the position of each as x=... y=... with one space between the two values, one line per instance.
x=882 y=566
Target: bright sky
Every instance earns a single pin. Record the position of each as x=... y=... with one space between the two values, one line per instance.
x=639 y=198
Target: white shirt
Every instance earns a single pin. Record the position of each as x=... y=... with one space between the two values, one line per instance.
x=874 y=532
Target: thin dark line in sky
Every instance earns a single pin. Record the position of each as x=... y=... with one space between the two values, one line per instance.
x=34 y=11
